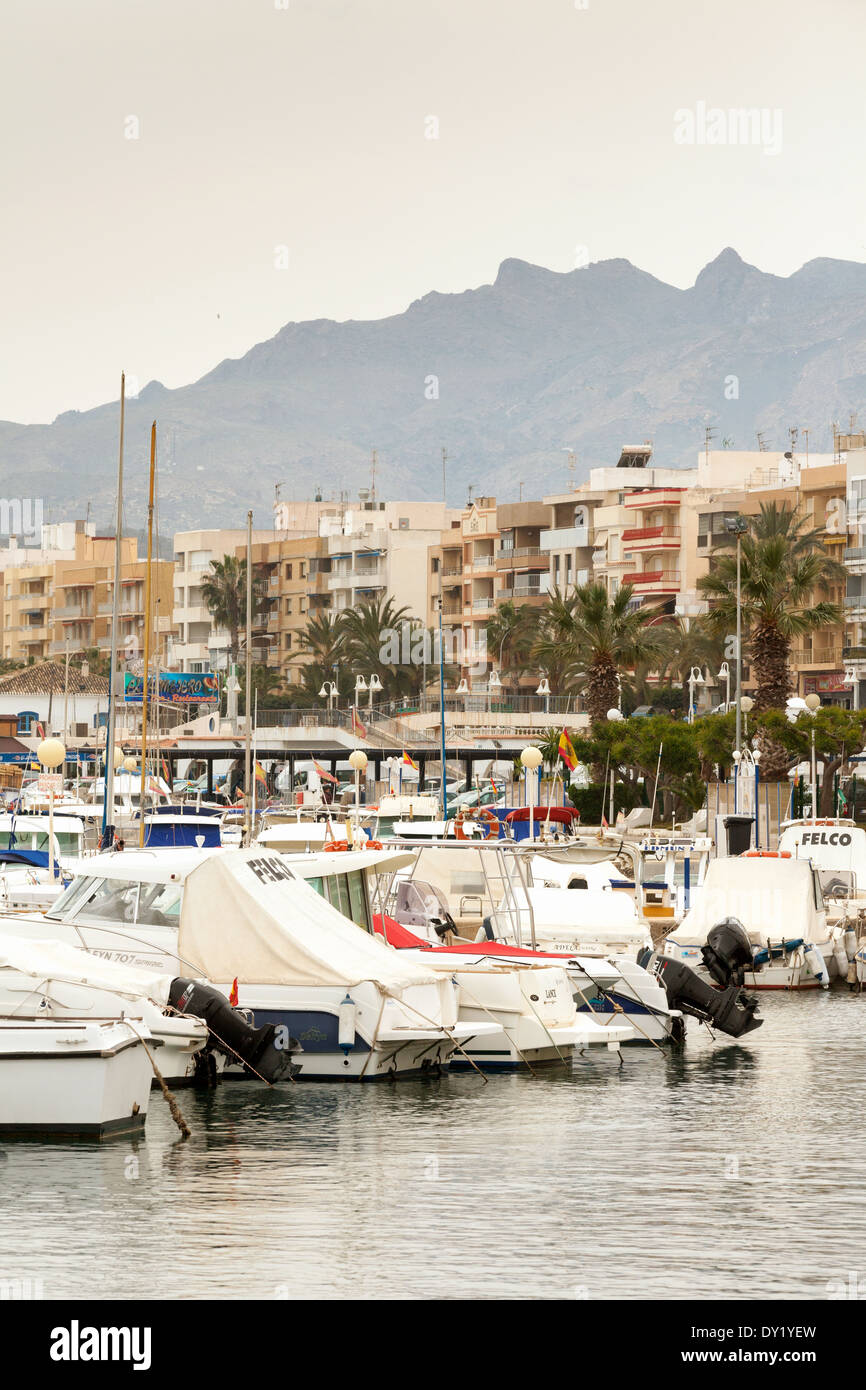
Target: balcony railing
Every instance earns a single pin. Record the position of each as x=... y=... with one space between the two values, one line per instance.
x=667 y=578
x=482 y=562
x=649 y=533
x=518 y=552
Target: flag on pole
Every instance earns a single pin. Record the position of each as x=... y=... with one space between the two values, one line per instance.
x=325 y=776
x=260 y=773
x=566 y=751
x=359 y=728
x=604 y=824
x=233 y=997
x=410 y=762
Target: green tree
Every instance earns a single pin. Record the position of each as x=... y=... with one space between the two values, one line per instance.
x=838 y=734
x=371 y=644
x=510 y=636
x=591 y=637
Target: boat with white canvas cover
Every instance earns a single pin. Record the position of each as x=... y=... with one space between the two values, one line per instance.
x=530 y=998
x=358 y=1011
x=780 y=904
x=74 y=1039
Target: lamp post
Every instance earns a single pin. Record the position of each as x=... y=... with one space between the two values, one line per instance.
x=853 y=680
x=813 y=704
x=695 y=678
x=737 y=526
x=615 y=716
x=51 y=754
x=493 y=683
x=358 y=763
x=725 y=675
x=544 y=690
x=531 y=759
x=373 y=685
x=329 y=692
x=746 y=704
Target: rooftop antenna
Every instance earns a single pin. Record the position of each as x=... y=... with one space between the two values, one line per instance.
x=572 y=467
x=373 y=477
x=471 y=488
x=806 y=446
x=762 y=443
x=444 y=490
x=709 y=432
x=793 y=433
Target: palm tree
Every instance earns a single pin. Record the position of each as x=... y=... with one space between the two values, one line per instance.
x=224 y=591
x=783 y=568
x=510 y=634
x=591 y=636
x=371 y=636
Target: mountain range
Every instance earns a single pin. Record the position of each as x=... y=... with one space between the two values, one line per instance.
x=507 y=378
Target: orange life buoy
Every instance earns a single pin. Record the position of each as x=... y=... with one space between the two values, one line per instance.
x=333 y=845
x=481 y=814
x=374 y=844
x=766 y=854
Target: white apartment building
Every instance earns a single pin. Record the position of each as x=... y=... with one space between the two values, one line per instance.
x=198 y=645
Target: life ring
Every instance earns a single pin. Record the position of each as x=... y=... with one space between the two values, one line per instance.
x=337 y=845
x=481 y=814
x=766 y=854
x=374 y=844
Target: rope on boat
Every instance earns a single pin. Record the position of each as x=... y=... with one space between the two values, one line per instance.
x=174 y=1108
x=484 y=1009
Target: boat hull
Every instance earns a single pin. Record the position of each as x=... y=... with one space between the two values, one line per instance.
x=88 y=1080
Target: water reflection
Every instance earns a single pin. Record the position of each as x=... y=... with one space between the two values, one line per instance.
x=727 y=1169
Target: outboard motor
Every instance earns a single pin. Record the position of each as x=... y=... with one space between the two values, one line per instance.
x=729 y=1010
x=262 y=1049
x=443 y=925
x=727 y=953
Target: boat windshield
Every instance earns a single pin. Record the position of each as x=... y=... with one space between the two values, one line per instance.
x=119 y=900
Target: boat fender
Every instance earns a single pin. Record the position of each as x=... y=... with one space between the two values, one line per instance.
x=815 y=962
x=850 y=941
x=840 y=956
x=485 y=931
x=346 y=1014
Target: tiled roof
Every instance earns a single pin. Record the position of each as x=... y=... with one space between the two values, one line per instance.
x=48 y=677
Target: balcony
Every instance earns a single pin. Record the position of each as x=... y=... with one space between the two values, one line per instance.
x=650 y=537
x=565 y=538
x=664 y=497
x=599 y=557
x=482 y=562
x=654 y=581
x=817 y=657
x=524 y=591
x=73 y=610
x=483 y=605
x=452 y=571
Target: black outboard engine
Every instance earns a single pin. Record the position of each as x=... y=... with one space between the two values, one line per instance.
x=727 y=952
x=267 y=1051
x=442 y=925
x=729 y=1010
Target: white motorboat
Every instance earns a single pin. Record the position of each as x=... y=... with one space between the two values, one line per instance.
x=33 y=873
x=485 y=892
x=75 y=1034
x=780 y=904
x=244 y=920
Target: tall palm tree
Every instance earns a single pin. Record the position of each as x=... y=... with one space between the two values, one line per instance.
x=224 y=591
x=371 y=643
x=510 y=636
x=592 y=636
x=784 y=568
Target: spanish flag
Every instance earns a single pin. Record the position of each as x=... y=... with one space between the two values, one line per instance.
x=325 y=775
x=359 y=728
x=566 y=751
x=233 y=996
x=410 y=762
x=261 y=775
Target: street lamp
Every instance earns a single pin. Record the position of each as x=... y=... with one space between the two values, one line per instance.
x=358 y=763
x=725 y=675
x=51 y=754
x=746 y=704
x=615 y=716
x=328 y=692
x=813 y=704
x=737 y=526
x=544 y=690
x=531 y=759
x=493 y=683
x=695 y=678
x=373 y=685
x=852 y=679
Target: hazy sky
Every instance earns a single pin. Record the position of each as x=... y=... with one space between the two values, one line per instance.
x=261 y=127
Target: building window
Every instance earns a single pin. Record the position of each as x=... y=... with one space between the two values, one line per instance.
x=302 y=569
x=288 y=571
x=26 y=719
x=288 y=641
x=403 y=523
x=288 y=605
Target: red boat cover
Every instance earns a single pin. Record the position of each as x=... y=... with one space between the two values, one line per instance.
x=564 y=814
x=402 y=938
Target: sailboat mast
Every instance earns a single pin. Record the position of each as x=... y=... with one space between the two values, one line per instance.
x=247 y=702
x=108 y=804
x=141 y=797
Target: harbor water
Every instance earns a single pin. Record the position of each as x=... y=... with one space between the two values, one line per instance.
x=729 y=1170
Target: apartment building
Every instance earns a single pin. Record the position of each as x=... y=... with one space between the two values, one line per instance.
x=489 y=555
x=329 y=556
x=59 y=599
x=197 y=644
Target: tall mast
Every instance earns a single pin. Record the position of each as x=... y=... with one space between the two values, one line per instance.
x=108 y=804
x=248 y=700
x=141 y=797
